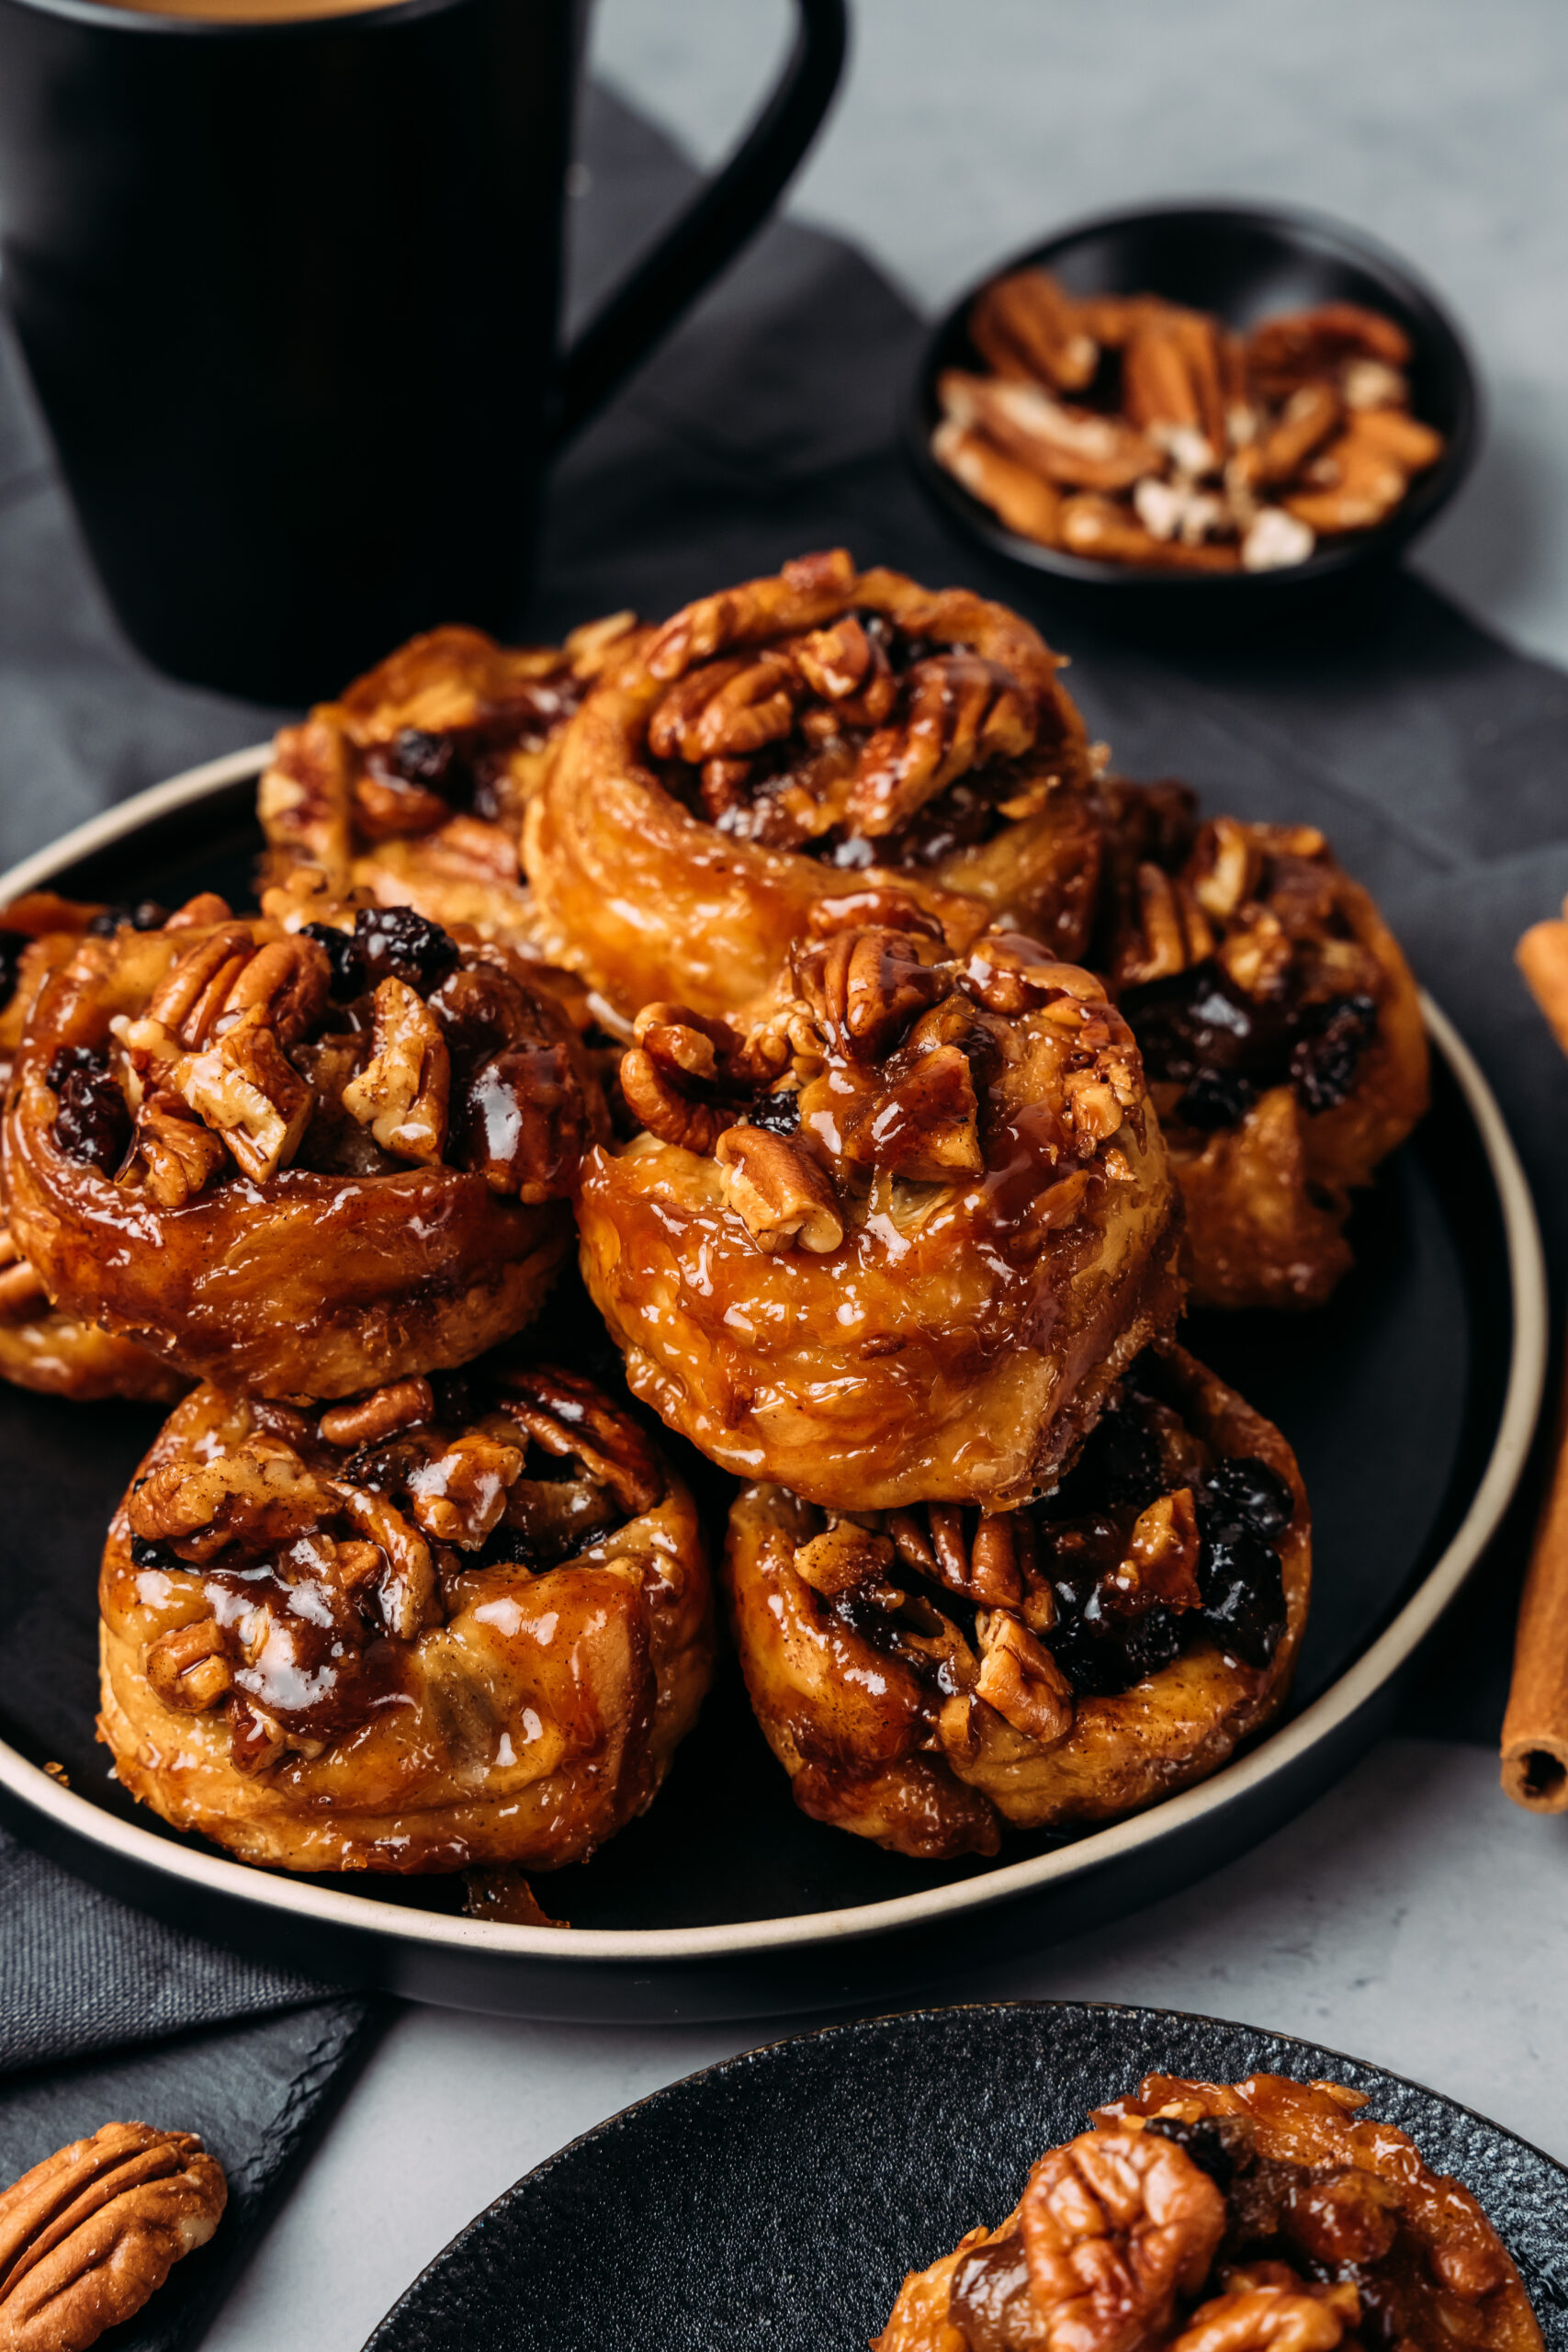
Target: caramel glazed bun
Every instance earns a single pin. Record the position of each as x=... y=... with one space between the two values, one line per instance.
x=924 y=1676
x=297 y=1161
x=804 y=737
x=458 y=1620
x=1221 y=2217
x=897 y=1237
x=42 y=1347
x=1281 y=1031
x=411 y=787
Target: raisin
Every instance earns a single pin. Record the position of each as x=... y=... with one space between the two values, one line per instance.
x=344 y=956
x=396 y=943
x=146 y=915
x=146 y=1554
x=1216 y=1098
x=14 y=944
x=93 y=1122
x=777 y=1114
x=1120 y=1463
x=1243 y=1590
x=1324 y=1064
x=1247 y=1490
x=1220 y=2145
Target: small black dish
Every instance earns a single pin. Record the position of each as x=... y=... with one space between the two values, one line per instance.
x=1245 y=262
x=774 y=2202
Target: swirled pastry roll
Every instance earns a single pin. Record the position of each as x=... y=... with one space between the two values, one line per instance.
x=411 y=787
x=1281 y=1031
x=926 y=1676
x=809 y=737
x=297 y=1161
x=894 y=1239
x=1227 y=2217
x=459 y=1621
x=42 y=1347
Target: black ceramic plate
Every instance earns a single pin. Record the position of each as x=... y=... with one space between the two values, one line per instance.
x=1410 y=1401
x=1244 y=263
x=777 y=2201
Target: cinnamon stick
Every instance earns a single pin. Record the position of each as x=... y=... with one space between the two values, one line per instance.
x=1535 y=1728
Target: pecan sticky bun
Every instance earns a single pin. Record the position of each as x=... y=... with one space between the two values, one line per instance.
x=823 y=734
x=1264 y=2216
x=40 y=1346
x=1281 y=1032
x=895 y=1239
x=927 y=1675
x=459 y=1620
x=411 y=787
x=297 y=1161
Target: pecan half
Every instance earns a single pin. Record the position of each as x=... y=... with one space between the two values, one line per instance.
x=778 y=1191
x=188 y=1667
x=177 y=1154
x=1265 y=2319
x=401 y=1094
x=567 y=1416
x=1022 y=1680
x=381 y=1414
x=1115 y=2225
x=407 y=1590
x=866 y=987
x=253 y=1099
x=960 y=710
x=87 y=2236
x=460 y=1494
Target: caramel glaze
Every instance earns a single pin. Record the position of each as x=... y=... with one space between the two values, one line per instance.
x=1284 y=1044
x=1167 y=1634
x=348 y=1266
x=410 y=785
x=688 y=877
x=962 y=1335
x=1286 y=2216
x=468 y=1642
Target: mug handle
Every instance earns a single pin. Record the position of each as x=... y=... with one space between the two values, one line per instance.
x=729 y=209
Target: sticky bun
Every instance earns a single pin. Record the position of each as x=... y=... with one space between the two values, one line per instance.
x=1215 y=2217
x=1281 y=1032
x=459 y=1620
x=297 y=1161
x=42 y=1347
x=411 y=787
x=828 y=733
x=926 y=1675
x=895 y=1239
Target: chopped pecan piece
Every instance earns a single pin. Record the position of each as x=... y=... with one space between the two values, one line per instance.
x=849 y=1558
x=381 y=1414
x=1265 y=2319
x=253 y=1099
x=402 y=1093
x=778 y=1191
x=87 y=2236
x=460 y=1494
x=177 y=1154
x=188 y=1667
x=259 y=1495
x=407 y=1590
x=1022 y=1680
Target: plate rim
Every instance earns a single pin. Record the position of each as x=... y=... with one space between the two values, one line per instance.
x=851 y=2026
x=600 y=1948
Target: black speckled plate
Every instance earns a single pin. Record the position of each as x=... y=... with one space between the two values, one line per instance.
x=1410 y=1401
x=776 y=2201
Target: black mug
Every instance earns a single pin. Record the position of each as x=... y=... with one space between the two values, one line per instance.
x=289 y=294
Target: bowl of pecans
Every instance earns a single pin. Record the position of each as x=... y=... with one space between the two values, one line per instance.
x=1216 y=416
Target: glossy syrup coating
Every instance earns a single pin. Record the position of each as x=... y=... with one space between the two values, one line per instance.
x=1281 y=1034
x=1216 y=2217
x=927 y=1677
x=457 y=1622
x=894 y=1240
x=410 y=785
x=807 y=737
x=297 y=1159
x=42 y=1347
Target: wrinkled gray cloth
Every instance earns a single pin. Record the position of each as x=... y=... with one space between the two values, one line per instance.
x=768 y=425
